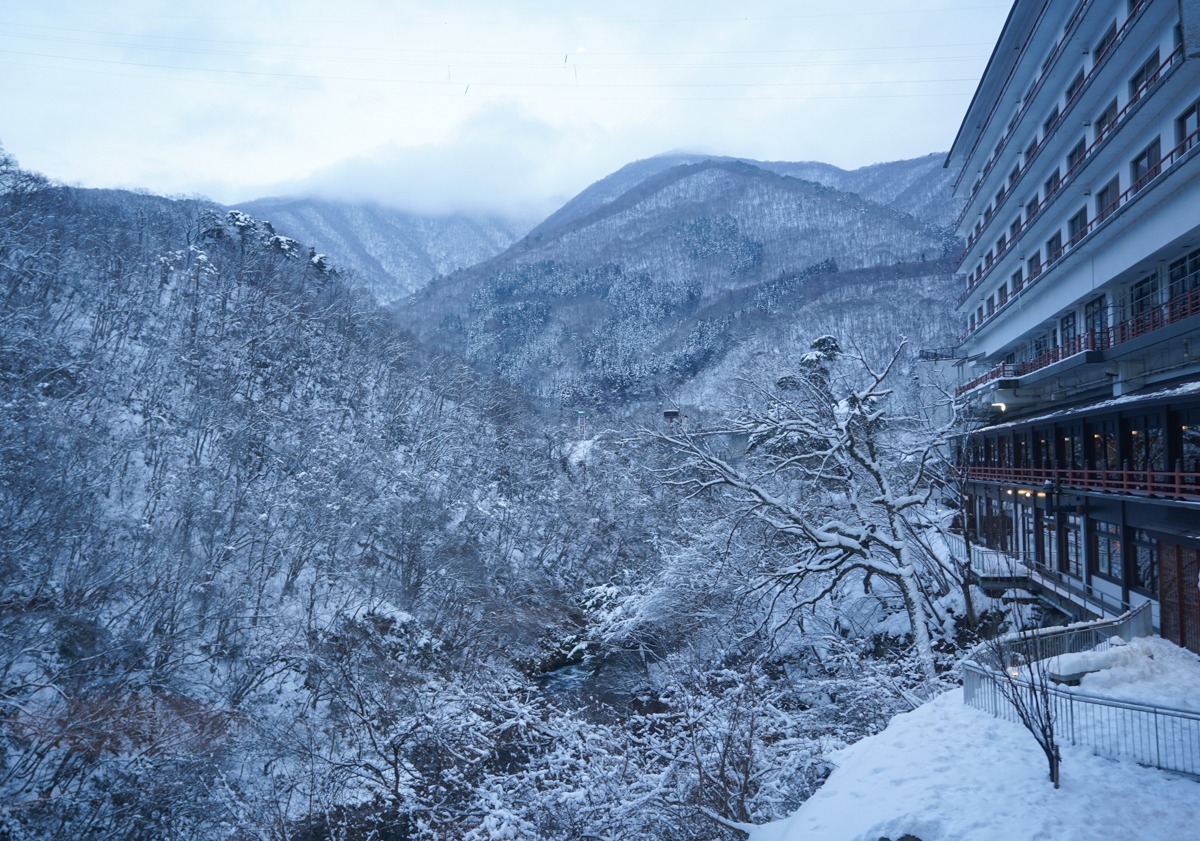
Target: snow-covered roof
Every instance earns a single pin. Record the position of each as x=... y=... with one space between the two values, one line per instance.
x=1124 y=401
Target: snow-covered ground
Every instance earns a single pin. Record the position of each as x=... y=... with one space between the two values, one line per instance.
x=947 y=772
x=1149 y=670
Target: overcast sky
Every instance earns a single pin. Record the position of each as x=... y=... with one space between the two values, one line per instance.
x=436 y=106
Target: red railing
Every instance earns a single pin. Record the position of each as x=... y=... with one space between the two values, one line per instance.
x=1099 y=62
x=1176 y=309
x=1025 y=106
x=1175 y=484
x=976 y=279
x=1078 y=237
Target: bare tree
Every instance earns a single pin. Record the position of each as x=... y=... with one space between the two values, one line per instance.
x=1020 y=671
x=834 y=478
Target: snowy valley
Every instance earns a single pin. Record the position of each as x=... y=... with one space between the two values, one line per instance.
x=327 y=521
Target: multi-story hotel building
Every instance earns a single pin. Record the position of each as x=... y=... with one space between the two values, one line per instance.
x=1079 y=164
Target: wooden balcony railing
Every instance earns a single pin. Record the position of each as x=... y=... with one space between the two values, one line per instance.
x=1167 y=484
x=1176 y=309
x=1171 y=61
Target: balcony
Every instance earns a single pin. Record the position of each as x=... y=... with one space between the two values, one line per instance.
x=1097 y=66
x=1173 y=311
x=1165 y=484
x=1173 y=60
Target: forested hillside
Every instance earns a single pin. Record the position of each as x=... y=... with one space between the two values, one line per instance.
x=392 y=252
x=635 y=295
x=274 y=568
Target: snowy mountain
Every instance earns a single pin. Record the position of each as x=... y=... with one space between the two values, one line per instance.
x=272 y=567
x=920 y=186
x=395 y=253
x=653 y=274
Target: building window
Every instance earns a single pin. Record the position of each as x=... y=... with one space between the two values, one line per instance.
x=1184 y=274
x=1146 y=166
x=1018 y=281
x=1041 y=346
x=1066 y=329
x=1075 y=85
x=1095 y=316
x=1052 y=183
x=1143 y=77
x=1030 y=151
x=1187 y=127
x=1051 y=121
x=1077 y=226
x=1013 y=176
x=1026 y=531
x=1143 y=556
x=1106 y=546
x=1049 y=558
x=1106 y=119
x=1073 y=544
x=1002 y=292
x=1146 y=443
x=1143 y=295
x=1014 y=228
x=1054 y=247
x=1031 y=207
x=1001 y=245
x=1189 y=432
x=1076 y=154
x=1035 y=265
x=1106 y=41
x=1107 y=198
x=991 y=305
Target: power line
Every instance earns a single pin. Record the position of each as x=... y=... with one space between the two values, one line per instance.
x=581 y=60
x=571 y=93
x=549 y=53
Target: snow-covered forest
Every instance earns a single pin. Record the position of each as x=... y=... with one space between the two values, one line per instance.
x=280 y=563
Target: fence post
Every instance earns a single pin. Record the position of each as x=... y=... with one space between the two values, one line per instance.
x=1071 y=716
x=1157 y=743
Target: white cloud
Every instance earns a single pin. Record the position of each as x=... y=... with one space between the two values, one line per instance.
x=370 y=100
x=497 y=160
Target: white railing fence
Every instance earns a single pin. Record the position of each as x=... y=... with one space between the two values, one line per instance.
x=1161 y=737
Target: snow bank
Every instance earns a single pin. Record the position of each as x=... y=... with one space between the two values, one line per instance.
x=947 y=772
x=1147 y=670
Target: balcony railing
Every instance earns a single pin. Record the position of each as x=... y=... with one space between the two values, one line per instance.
x=996 y=154
x=1161 y=737
x=1172 y=60
x=1143 y=481
x=986 y=562
x=1176 y=309
x=1097 y=65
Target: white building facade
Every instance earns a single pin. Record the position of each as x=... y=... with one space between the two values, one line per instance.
x=1079 y=164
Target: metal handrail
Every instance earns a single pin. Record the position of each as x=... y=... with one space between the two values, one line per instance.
x=1067 y=639
x=1164 y=737
x=988 y=562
